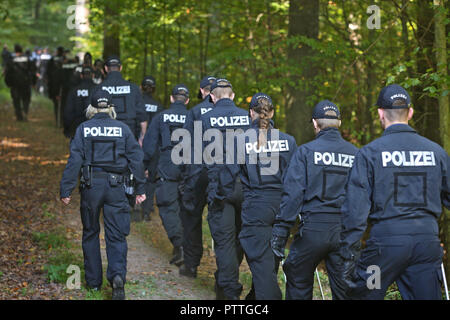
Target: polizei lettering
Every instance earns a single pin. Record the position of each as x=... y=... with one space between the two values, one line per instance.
x=174 y=118
x=408 y=158
x=205 y=110
x=117 y=89
x=102 y=132
x=151 y=108
x=271 y=146
x=82 y=93
x=333 y=159
x=229 y=121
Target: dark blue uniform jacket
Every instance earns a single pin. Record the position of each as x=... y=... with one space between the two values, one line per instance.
x=158 y=137
x=399 y=180
x=105 y=143
x=316 y=177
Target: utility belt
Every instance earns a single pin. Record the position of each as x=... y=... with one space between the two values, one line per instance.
x=115 y=179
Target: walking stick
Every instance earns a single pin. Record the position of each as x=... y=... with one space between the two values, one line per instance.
x=320 y=285
x=445 y=281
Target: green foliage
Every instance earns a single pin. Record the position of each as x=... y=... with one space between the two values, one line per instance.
x=35 y=23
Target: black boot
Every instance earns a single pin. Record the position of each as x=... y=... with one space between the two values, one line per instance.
x=178 y=256
x=219 y=292
x=188 y=272
x=118 y=292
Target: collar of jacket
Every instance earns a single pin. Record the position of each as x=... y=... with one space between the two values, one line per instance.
x=398 y=127
x=177 y=104
x=225 y=102
x=100 y=115
x=329 y=133
x=114 y=75
x=255 y=123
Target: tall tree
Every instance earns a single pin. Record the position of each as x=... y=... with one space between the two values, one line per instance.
x=111 y=28
x=442 y=69
x=303 y=22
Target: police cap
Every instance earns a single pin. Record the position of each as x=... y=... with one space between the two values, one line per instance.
x=207 y=81
x=221 y=83
x=149 y=81
x=393 y=97
x=326 y=109
x=180 y=89
x=256 y=97
x=112 y=61
x=101 y=99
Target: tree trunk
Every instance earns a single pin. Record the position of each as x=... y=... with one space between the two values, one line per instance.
x=303 y=21
x=441 y=59
x=111 y=29
x=426 y=107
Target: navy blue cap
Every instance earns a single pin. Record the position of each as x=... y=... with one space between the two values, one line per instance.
x=101 y=99
x=113 y=61
x=224 y=83
x=207 y=81
x=256 y=97
x=393 y=97
x=149 y=81
x=326 y=109
x=180 y=89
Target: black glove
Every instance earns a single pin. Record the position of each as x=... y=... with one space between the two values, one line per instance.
x=347 y=270
x=278 y=243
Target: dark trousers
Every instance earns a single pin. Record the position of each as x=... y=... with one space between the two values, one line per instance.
x=225 y=223
x=192 y=224
x=168 y=201
x=21 y=97
x=258 y=214
x=412 y=261
x=319 y=241
x=147 y=205
x=113 y=201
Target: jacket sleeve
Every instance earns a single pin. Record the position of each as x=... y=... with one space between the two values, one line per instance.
x=69 y=110
x=152 y=139
x=294 y=186
x=357 y=203
x=135 y=158
x=72 y=170
x=141 y=114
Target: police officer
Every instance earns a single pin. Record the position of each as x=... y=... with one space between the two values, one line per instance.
x=44 y=61
x=224 y=216
x=104 y=149
x=194 y=193
x=399 y=181
x=127 y=98
x=77 y=102
x=55 y=78
x=152 y=108
x=169 y=175
x=314 y=190
x=69 y=81
x=99 y=73
x=20 y=75
x=266 y=153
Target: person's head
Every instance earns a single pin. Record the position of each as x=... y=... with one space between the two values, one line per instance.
x=101 y=102
x=221 y=89
x=60 y=51
x=87 y=72
x=87 y=59
x=261 y=107
x=205 y=86
x=325 y=115
x=394 y=106
x=180 y=93
x=148 y=84
x=18 y=48
x=113 y=63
